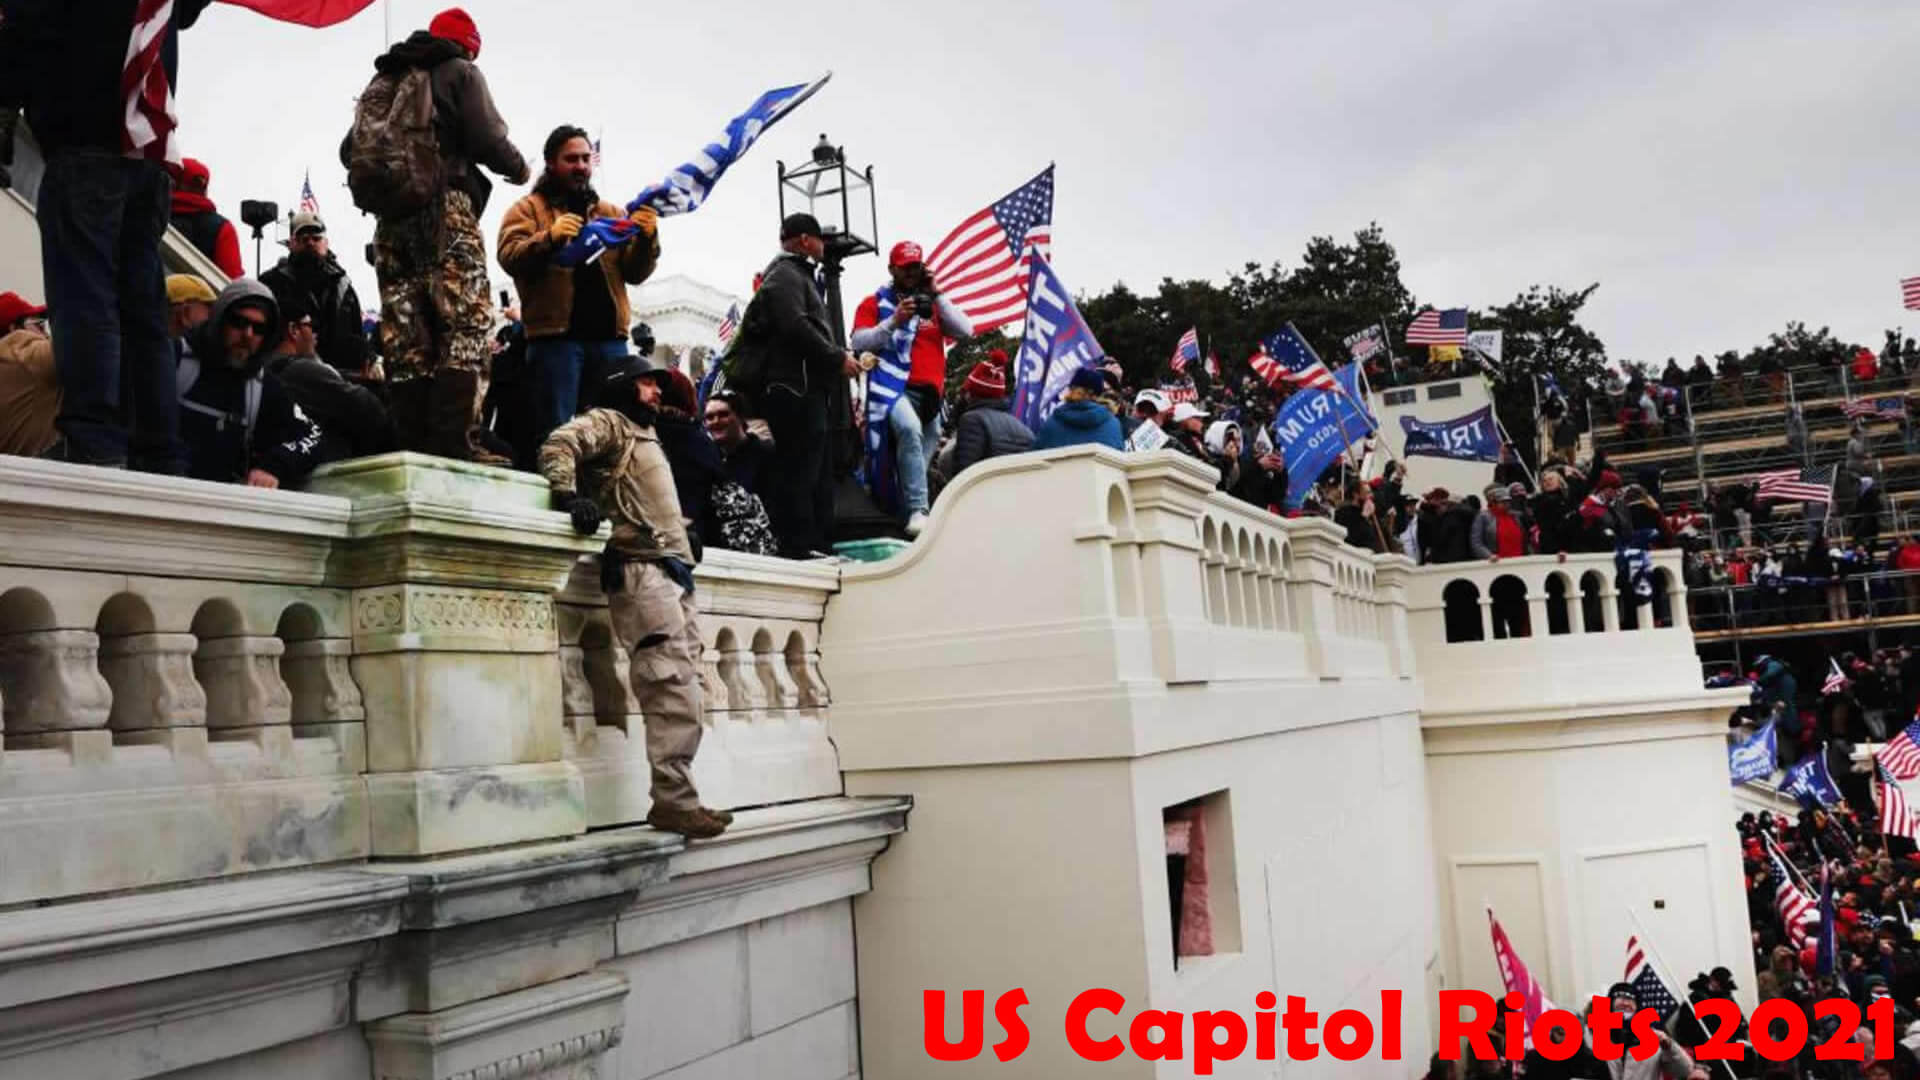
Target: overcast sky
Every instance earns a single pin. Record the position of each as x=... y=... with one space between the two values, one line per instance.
x=1718 y=166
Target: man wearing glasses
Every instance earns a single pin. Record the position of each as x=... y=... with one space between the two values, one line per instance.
x=237 y=421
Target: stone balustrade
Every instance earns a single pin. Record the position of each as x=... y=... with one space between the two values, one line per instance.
x=411 y=658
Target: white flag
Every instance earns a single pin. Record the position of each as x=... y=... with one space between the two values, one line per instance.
x=1487 y=343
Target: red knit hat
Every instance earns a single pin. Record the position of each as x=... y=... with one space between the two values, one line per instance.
x=194 y=174
x=986 y=381
x=455 y=25
x=998 y=358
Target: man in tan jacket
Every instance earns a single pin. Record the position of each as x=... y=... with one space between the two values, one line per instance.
x=575 y=316
x=29 y=386
x=606 y=463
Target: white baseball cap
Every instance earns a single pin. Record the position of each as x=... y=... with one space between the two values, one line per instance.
x=1186 y=411
x=1154 y=398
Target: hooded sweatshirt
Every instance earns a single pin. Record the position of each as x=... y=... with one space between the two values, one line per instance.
x=205 y=227
x=232 y=419
x=1074 y=423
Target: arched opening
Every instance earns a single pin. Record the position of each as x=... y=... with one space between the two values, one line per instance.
x=1125 y=555
x=1462 y=601
x=1508 y=596
x=49 y=677
x=23 y=611
x=1593 y=602
x=1216 y=573
x=813 y=693
x=314 y=667
x=1559 y=617
x=239 y=672
x=1282 y=587
x=1250 y=583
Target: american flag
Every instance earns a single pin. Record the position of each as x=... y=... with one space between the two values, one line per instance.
x=729 y=325
x=596 y=155
x=1431 y=327
x=1807 y=485
x=1649 y=989
x=1187 y=351
x=1896 y=817
x=983 y=265
x=1901 y=754
x=148 y=120
x=308 y=204
x=1292 y=360
x=1836 y=679
x=1910 y=293
x=1886 y=408
x=1795 y=908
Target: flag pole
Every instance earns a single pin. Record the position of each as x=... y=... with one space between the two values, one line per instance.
x=386 y=9
x=1665 y=970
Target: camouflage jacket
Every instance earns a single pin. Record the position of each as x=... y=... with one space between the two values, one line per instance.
x=621 y=466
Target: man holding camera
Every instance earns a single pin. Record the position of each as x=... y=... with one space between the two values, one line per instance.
x=908 y=324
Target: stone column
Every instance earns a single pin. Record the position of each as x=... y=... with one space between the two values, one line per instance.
x=1169 y=495
x=1391 y=577
x=153 y=682
x=51 y=682
x=453 y=569
x=1313 y=593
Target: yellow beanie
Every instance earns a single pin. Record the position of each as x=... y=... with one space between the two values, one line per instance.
x=182 y=288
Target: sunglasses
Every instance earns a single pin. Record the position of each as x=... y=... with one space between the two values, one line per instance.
x=256 y=327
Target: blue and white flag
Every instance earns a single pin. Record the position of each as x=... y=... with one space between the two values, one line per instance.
x=1316 y=426
x=885 y=383
x=1809 y=782
x=1634 y=560
x=1472 y=437
x=1056 y=344
x=685 y=188
x=1753 y=758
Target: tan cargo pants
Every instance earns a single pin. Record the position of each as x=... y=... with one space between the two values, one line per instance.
x=654 y=620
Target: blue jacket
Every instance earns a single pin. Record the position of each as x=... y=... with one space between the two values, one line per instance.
x=1077 y=422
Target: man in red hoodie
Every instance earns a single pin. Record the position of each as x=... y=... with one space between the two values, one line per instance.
x=197 y=220
x=1907 y=561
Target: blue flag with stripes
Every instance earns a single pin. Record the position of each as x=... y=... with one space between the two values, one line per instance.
x=1315 y=427
x=885 y=384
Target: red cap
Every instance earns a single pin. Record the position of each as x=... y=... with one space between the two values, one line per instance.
x=905 y=253
x=195 y=174
x=13 y=308
x=455 y=25
x=986 y=381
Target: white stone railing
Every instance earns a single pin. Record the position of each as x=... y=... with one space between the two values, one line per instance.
x=199 y=680
x=1541 y=632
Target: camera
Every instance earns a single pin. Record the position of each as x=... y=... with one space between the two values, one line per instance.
x=923 y=305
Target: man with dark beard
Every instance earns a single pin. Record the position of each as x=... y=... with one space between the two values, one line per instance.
x=575 y=317
x=311 y=278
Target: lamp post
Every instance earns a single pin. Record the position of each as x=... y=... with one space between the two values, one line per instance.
x=841 y=199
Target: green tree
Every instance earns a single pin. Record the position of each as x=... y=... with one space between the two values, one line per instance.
x=1542 y=336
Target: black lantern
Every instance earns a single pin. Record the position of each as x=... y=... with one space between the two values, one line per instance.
x=841 y=199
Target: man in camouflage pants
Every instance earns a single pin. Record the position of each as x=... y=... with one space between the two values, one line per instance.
x=647 y=572
x=436 y=306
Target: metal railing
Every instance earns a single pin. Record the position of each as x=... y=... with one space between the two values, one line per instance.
x=1849 y=602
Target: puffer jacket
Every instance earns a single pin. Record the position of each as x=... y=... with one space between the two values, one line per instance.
x=1075 y=423
x=546 y=291
x=986 y=429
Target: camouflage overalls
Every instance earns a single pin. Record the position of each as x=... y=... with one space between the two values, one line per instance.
x=436 y=304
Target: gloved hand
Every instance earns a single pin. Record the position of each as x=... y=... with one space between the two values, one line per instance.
x=648 y=219
x=566 y=227
x=613 y=571
x=699 y=549
x=584 y=511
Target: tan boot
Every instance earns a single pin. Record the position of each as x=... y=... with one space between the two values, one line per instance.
x=453 y=411
x=698 y=823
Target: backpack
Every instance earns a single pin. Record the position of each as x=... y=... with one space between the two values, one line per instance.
x=393 y=157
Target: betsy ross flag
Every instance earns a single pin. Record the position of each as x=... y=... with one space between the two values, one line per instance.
x=1896 y=815
x=1287 y=358
x=1806 y=485
x=1186 y=351
x=1649 y=989
x=1795 y=908
x=984 y=263
x=1910 y=293
x=1516 y=977
x=1431 y=327
x=1901 y=754
x=308 y=204
x=729 y=326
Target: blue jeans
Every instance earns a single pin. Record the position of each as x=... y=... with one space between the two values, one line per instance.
x=914 y=442
x=560 y=369
x=101 y=220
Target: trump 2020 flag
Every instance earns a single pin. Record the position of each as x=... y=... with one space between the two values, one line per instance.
x=1753 y=758
x=1516 y=977
x=1472 y=437
x=1316 y=426
x=1809 y=782
x=686 y=187
x=1057 y=342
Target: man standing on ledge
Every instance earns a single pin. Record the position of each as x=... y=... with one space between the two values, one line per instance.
x=647 y=572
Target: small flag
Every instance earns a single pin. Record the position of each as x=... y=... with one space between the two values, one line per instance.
x=1880 y=408
x=1431 y=327
x=1806 y=485
x=308 y=204
x=1366 y=344
x=1213 y=366
x=1794 y=907
x=984 y=263
x=1489 y=345
x=1186 y=351
x=1292 y=360
x=1753 y=758
x=1836 y=679
x=729 y=325
x=1901 y=754
x=1910 y=293
x=596 y=155
x=1809 y=782
x=1649 y=989
x=1516 y=977
x=1896 y=816
x=1441 y=355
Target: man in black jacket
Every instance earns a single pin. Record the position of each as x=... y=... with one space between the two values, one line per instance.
x=103 y=208
x=747 y=456
x=353 y=421
x=788 y=358
x=986 y=427
x=312 y=275
x=237 y=420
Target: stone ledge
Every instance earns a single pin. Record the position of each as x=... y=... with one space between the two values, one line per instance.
x=529 y=1033
x=444 y=810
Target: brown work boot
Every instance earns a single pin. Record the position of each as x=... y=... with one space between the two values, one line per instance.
x=407 y=405
x=453 y=412
x=695 y=824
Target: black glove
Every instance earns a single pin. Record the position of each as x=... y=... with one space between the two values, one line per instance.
x=613 y=570
x=699 y=549
x=585 y=513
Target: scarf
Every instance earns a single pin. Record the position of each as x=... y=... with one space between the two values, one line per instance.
x=885 y=384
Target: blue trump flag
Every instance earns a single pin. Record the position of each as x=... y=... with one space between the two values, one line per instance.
x=1057 y=343
x=1753 y=759
x=686 y=187
x=1472 y=437
x=1315 y=427
x=1809 y=782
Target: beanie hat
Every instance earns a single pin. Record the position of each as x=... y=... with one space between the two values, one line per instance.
x=455 y=25
x=1608 y=479
x=182 y=288
x=1092 y=380
x=194 y=174
x=986 y=381
x=998 y=358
